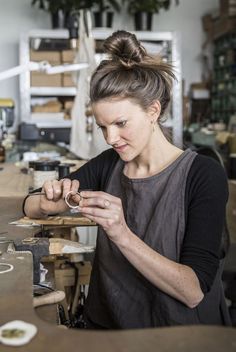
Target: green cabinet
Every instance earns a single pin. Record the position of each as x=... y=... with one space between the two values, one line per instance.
x=223 y=94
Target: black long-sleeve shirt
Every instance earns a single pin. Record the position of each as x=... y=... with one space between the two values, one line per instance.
x=205 y=200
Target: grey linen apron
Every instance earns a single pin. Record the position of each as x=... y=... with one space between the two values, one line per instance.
x=119 y=296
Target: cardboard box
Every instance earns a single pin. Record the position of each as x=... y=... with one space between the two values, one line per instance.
x=223 y=26
x=208 y=26
x=53 y=57
x=38 y=79
x=85 y=269
x=207 y=22
x=199 y=90
x=68 y=56
x=228 y=8
x=67 y=80
x=51 y=106
x=69 y=104
x=232 y=143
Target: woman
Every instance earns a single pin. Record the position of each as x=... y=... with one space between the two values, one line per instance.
x=160 y=209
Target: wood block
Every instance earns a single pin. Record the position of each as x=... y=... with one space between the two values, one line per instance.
x=61 y=246
x=57 y=221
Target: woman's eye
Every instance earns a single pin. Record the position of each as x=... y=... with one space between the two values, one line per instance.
x=121 y=123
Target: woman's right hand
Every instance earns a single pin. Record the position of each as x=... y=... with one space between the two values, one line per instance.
x=52 y=199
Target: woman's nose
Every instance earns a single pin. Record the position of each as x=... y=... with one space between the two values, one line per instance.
x=112 y=136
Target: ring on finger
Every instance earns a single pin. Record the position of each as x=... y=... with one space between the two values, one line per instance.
x=67 y=197
x=107 y=204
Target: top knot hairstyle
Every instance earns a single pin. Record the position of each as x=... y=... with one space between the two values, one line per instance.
x=125 y=48
x=130 y=72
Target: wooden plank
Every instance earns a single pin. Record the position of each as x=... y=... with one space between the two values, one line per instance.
x=56 y=221
x=62 y=246
x=13 y=183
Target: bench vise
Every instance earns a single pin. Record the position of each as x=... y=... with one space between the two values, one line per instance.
x=39 y=247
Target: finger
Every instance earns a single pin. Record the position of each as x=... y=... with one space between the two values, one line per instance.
x=66 y=186
x=102 y=200
x=95 y=202
x=75 y=194
x=93 y=218
x=69 y=186
x=57 y=189
x=76 y=198
x=48 y=189
x=75 y=185
x=94 y=194
x=91 y=194
x=99 y=213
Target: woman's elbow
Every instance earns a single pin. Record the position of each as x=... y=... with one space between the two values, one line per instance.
x=195 y=300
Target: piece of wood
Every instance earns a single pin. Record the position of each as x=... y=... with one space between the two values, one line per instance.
x=14 y=183
x=67 y=220
x=56 y=221
x=62 y=246
x=49 y=298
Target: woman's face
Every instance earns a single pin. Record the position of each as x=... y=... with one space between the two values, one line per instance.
x=125 y=126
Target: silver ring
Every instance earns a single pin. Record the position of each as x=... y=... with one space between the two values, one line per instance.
x=107 y=204
x=67 y=196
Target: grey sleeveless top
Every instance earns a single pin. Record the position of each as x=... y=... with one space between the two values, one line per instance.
x=119 y=296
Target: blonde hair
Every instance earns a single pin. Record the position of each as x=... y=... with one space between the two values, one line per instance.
x=130 y=72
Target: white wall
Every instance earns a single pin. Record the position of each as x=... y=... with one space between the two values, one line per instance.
x=18 y=15
x=186 y=18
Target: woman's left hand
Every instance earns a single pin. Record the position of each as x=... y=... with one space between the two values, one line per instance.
x=107 y=211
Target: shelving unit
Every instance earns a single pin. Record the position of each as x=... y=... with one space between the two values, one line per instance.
x=224 y=77
x=49 y=91
x=166 y=44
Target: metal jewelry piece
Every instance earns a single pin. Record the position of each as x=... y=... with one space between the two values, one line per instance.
x=107 y=204
x=67 y=196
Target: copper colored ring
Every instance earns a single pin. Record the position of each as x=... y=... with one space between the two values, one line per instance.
x=67 y=199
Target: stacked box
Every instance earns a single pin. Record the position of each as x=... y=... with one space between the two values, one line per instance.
x=40 y=79
x=68 y=57
x=228 y=8
x=224 y=25
x=67 y=80
x=53 y=57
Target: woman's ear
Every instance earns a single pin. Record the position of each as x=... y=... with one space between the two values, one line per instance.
x=154 y=110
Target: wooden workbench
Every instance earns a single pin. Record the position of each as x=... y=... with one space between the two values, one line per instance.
x=16 y=304
x=13 y=183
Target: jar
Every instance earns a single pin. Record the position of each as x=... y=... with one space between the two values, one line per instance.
x=44 y=171
x=64 y=170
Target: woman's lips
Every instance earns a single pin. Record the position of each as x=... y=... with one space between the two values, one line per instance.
x=121 y=148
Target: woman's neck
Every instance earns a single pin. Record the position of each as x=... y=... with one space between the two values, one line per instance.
x=159 y=155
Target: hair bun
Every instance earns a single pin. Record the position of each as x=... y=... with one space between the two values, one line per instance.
x=125 y=47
